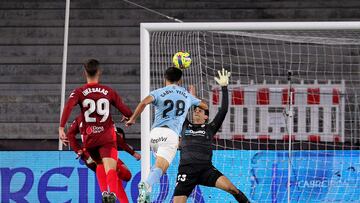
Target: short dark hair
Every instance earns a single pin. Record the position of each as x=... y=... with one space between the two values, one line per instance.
x=173 y=74
x=92 y=66
x=120 y=131
x=206 y=112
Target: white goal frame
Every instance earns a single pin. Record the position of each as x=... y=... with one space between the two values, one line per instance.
x=146 y=28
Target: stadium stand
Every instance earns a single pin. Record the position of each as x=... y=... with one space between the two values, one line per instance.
x=31 y=46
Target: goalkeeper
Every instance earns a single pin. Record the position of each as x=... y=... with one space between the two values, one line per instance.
x=195 y=166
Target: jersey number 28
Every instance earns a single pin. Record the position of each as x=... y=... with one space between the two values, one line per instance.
x=101 y=106
x=179 y=105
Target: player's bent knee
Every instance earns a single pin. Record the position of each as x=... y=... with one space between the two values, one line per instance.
x=230 y=188
x=123 y=173
x=162 y=163
x=109 y=163
x=233 y=190
x=227 y=189
x=223 y=183
x=180 y=199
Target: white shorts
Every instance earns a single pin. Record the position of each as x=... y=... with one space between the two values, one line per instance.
x=164 y=142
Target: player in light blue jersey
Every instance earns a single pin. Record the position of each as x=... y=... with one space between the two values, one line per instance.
x=172 y=103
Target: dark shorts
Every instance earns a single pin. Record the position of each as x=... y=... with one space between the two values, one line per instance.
x=190 y=176
x=107 y=150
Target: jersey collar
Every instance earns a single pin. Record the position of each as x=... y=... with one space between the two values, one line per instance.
x=91 y=83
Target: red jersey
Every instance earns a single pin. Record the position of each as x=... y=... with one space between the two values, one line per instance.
x=77 y=127
x=94 y=100
x=121 y=143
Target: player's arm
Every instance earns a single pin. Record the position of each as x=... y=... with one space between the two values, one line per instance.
x=72 y=101
x=192 y=91
x=74 y=144
x=202 y=104
x=71 y=135
x=182 y=133
x=139 y=109
x=223 y=81
x=121 y=142
x=119 y=104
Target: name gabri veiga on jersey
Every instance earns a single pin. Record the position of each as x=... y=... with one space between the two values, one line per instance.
x=166 y=92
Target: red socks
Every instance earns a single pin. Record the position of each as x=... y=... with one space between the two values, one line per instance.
x=112 y=180
x=123 y=172
x=101 y=177
x=121 y=195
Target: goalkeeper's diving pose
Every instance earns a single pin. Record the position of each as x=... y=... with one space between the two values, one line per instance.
x=195 y=166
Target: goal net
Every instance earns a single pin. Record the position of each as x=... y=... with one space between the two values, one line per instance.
x=292 y=129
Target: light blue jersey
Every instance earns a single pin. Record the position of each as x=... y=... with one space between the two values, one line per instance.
x=172 y=104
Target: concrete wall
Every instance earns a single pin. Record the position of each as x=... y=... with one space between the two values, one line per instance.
x=32 y=39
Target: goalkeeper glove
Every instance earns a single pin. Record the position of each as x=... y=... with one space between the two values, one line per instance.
x=223 y=79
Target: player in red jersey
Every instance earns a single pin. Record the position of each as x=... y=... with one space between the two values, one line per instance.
x=123 y=172
x=99 y=137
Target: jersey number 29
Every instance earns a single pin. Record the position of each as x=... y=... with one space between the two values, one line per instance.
x=101 y=106
x=179 y=105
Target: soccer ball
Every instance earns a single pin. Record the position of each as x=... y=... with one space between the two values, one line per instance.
x=182 y=60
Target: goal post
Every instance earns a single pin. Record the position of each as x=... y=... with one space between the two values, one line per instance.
x=145 y=91
x=160 y=40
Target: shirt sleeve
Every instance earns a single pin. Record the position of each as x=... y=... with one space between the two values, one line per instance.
x=194 y=101
x=123 y=145
x=154 y=94
x=72 y=101
x=220 y=116
x=119 y=104
x=71 y=134
x=184 y=126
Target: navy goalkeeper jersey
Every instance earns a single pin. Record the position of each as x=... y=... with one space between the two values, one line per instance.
x=196 y=140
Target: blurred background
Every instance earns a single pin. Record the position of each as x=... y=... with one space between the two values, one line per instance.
x=31 y=48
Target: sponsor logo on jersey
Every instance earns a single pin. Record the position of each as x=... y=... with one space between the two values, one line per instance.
x=94 y=129
x=160 y=139
x=195 y=132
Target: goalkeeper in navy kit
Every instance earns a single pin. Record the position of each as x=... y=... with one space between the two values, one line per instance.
x=195 y=166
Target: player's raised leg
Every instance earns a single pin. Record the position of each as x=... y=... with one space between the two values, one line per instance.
x=124 y=174
x=123 y=171
x=225 y=184
x=164 y=142
x=180 y=199
x=186 y=181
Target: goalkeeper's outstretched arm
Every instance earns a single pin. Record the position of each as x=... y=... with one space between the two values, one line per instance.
x=223 y=81
x=220 y=116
